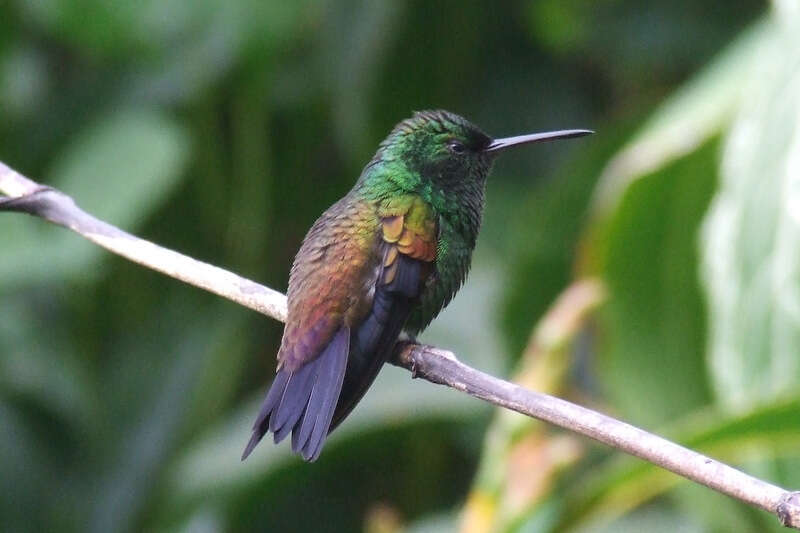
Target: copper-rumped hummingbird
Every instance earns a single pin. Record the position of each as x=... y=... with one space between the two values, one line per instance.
x=386 y=258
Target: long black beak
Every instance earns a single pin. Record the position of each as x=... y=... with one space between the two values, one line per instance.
x=502 y=144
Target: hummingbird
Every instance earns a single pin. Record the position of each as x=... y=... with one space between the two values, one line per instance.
x=382 y=261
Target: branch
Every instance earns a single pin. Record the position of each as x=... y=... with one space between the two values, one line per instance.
x=430 y=363
x=29 y=197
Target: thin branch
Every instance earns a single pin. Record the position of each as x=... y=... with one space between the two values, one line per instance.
x=430 y=363
x=29 y=197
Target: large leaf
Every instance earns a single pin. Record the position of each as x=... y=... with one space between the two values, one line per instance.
x=622 y=484
x=642 y=241
x=120 y=170
x=654 y=323
x=751 y=252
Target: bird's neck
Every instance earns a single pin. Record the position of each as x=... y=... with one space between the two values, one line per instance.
x=462 y=208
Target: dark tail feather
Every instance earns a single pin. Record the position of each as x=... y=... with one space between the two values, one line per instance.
x=304 y=401
x=313 y=430
x=315 y=399
x=375 y=338
x=274 y=396
x=293 y=402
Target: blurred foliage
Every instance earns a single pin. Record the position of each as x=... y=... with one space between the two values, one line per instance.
x=751 y=258
x=223 y=129
x=523 y=456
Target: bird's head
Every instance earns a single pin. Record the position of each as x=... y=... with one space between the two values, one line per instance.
x=447 y=152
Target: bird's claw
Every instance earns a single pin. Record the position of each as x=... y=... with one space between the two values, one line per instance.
x=413 y=348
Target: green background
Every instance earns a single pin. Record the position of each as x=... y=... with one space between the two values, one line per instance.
x=223 y=128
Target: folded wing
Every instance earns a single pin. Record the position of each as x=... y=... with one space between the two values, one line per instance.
x=348 y=301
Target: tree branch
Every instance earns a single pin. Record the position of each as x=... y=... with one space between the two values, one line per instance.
x=430 y=363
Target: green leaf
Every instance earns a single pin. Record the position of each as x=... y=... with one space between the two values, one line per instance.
x=642 y=241
x=751 y=237
x=621 y=484
x=654 y=322
x=652 y=520
x=123 y=166
x=121 y=170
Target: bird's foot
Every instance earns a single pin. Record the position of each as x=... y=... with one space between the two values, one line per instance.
x=413 y=357
x=407 y=353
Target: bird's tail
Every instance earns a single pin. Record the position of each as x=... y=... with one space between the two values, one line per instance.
x=311 y=401
x=371 y=346
x=303 y=401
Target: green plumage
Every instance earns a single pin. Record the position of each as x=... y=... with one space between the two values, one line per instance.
x=417 y=158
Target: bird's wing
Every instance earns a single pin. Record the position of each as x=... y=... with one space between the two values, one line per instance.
x=350 y=291
x=408 y=247
x=330 y=280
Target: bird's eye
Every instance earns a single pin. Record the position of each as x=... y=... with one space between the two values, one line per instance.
x=457 y=147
